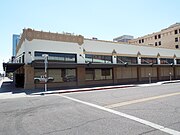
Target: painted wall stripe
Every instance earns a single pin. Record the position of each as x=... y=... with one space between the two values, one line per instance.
x=145 y=122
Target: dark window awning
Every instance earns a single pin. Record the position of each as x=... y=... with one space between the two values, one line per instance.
x=11 y=67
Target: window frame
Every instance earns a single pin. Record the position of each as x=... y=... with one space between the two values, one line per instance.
x=126 y=59
x=104 y=58
x=152 y=60
x=54 y=56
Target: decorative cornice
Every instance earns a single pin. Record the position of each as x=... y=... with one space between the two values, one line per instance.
x=138 y=54
x=30 y=34
x=158 y=55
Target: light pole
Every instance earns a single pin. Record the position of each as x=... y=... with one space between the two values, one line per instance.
x=45 y=70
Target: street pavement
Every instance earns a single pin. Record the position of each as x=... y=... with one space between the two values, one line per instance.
x=149 y=109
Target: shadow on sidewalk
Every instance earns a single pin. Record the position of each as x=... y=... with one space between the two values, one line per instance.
x=9 y=86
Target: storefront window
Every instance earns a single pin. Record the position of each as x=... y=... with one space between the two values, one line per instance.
x=89 y=74
x=55 y=75
x=148 y=60
x=62 y=57
x=98 y=74
x=98 y=58
x=178 y=61
x=167 y=61
x=124 y=59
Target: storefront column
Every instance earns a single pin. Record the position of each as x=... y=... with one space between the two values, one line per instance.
x=158 y=73
x=115 y=75
x=81 y=76
x=29 y=77
x=175 y=73
x=139 y=74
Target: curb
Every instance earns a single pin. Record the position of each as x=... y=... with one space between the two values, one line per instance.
x=171 y=82
x=82 y=90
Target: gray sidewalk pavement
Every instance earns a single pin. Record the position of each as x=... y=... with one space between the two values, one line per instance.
x=104 y=87
x=7 y=87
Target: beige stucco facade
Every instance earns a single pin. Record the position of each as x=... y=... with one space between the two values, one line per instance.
x=167 y=38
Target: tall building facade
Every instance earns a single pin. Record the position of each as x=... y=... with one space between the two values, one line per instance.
x=167 y=38
x=124 y=38
x=15 y=42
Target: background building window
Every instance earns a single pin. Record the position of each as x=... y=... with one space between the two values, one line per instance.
x=142 y=40
x=176 y=32
x=139 y=41
x=155 y=43
x=176 y=39
x=159 y=42
x=176 y=46
x=159 y=36
x=155 y=36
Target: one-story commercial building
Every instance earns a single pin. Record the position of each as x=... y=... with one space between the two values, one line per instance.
x=75 y=61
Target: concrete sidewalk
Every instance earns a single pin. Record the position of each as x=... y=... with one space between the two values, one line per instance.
x=9 y=89
x=103 y=88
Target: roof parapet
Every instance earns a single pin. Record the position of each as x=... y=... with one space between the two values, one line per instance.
x=30 y=34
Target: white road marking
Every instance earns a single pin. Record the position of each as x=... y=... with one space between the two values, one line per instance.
x=141 y=100
x=145 y=122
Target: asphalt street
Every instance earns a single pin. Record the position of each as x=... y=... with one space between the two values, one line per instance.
x=146 y=110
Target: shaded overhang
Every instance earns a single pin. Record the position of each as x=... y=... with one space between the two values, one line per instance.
x=56 y=65
x=11 y=67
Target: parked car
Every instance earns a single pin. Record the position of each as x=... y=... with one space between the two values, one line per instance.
x=42 y=79
x=69 y=78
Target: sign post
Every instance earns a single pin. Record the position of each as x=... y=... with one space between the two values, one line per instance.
x=45 y=70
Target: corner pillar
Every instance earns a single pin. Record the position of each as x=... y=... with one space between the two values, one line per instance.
x=115 y=75
x=81 y=76
x=139 y=78
x=158 y=73
x=28 y=77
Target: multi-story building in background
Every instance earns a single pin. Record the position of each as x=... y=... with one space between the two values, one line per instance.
x=15 y=42
x=124 y=38
x=167 y=38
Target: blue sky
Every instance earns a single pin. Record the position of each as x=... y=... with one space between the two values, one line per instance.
x=104 y=19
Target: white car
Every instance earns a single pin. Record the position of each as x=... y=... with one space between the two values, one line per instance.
x=42 y=79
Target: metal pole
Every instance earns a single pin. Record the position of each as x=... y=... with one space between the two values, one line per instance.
x=149 y=77
x=170 y=76
x=45 y=70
